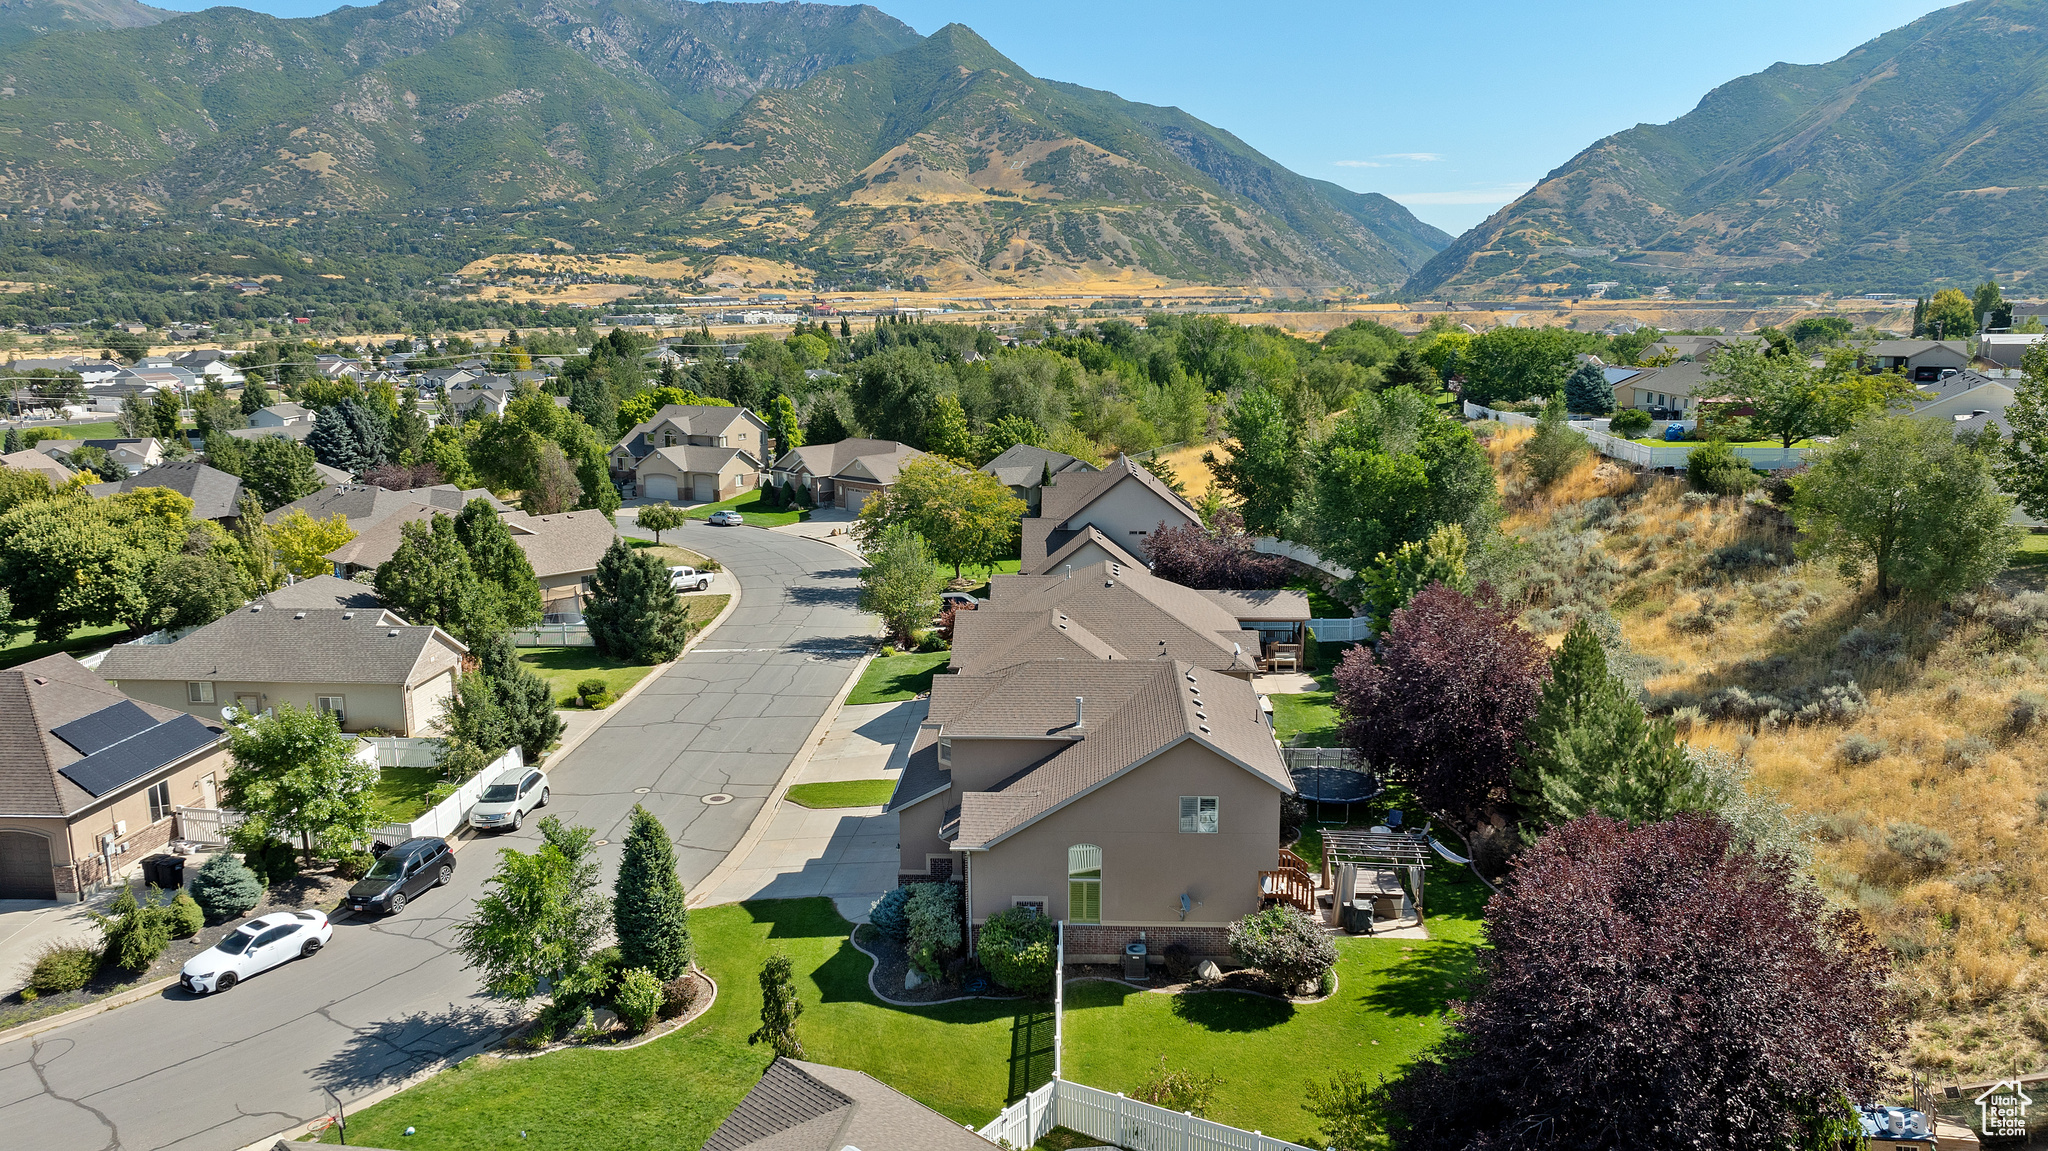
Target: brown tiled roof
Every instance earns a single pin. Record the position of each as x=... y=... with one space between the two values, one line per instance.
x=691 y=419
x=1103 y=611
x=280 y=645
x=1070 y=494
x=1022 y=465
x=1282 y=604
x=697 y=457
x=799 y=1106
x=1131 y=713
x=30 y=460
x=367 y=505
x=556 y=545
x=36 y=697
x=884 y=457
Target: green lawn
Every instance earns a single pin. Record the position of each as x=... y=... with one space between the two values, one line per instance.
x=970 y=573
x=2033 y=550
x=1321 y=605
x=672 y=555
x=675 y=1091
x=1308 y=719
x=843 y=793
x=893 y=677
x=401 y=793
x=104 y=430
x=23 y=647
x=565 y=667
x=753 y=509
x=1389 y=1006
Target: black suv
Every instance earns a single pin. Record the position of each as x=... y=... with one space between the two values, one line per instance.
x=401 y=873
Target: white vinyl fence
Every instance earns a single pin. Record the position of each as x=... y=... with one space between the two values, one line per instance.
x=1125 y=1122
x=402 y=751
x=1662 y=455
x=1509 y=419
x=554 y=635
x=204 y=824
x=1300 y=553
x=1355 y=629
x=446 y=816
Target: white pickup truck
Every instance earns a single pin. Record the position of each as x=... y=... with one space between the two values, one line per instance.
x=683 y=578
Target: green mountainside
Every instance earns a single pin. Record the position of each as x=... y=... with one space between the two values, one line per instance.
x=1917 y=157
x=829 y=133
x=25 y=19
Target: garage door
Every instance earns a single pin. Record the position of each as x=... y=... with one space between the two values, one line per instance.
x=658 y=487
x=707 y=488
x=854 y=498
x=25 y=867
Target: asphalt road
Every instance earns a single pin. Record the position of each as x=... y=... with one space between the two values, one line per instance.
x=389 y=997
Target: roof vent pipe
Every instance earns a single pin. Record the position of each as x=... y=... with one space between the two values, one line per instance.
x=1080 y=711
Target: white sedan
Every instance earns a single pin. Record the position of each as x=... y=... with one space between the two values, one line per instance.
x=256 y=946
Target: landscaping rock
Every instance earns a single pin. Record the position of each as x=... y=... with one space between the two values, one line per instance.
x=913 y=979
x=1207 y=970
x=605 y=1018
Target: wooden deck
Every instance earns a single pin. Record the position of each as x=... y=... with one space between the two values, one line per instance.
x=1289 y=882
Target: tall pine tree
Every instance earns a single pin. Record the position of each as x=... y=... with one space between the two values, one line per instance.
x=522 y=695
x=1590 y=748
x=650 y=911
x=633 y=611
x=499 y=561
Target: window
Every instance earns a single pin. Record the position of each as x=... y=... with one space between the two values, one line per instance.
x=1198 y=815
x=334 y=705
x=1035 y=902
x=668 y=439
x=946 y=749
x=648 y=435
x=160 y=801
x=198 y=693
x=1084 y=883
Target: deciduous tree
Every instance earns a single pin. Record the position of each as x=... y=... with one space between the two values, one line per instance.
x=900 y=583
x=1392 y=470
x=2022 y=462
x=295 y=777
x=1789 y=399
x=1907 y=500
x=779 y=1008
x=543 y=917
x=1556 y=448
x=1394 y=580
x=301 y=543
x=1267 y=468
x=965 y=517
x=72 y=560
x=429 y=580
x=661 y=517
x=1220 y=555
x=1575 y=1017
x=279 y=470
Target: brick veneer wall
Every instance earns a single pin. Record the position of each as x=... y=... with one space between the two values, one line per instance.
x=1102 y=943
x=89 y=870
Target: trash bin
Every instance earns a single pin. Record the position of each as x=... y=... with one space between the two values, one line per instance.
x=153 y=870
x=1134 y=961
x=172 y=868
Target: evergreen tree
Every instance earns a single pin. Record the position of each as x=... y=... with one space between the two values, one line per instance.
x=784 y=425
x=429 y=580
x=845 y=329
x=1591 y=749
x=500 y=563
x=1409 y=370
x=650 y=911
x=254 y=395
x=13 y=442
x=824 y=423
x=1587 y=390
x=592 y=396
x=349 y=435
x=279 y=470
x=523 y=696
x=779 y=1008
x=633 y=613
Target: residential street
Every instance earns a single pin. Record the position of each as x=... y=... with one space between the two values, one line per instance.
x=385 y=998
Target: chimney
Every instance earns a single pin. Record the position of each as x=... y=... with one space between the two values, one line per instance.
x=1080 y=712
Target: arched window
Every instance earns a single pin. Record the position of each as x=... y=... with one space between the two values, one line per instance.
x=1084 y=883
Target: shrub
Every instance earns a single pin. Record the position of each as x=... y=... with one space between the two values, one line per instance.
x=2027 y=709
x=1966 y=752
x=1711 y=614
x=933 y=915
x=933 y=641
x=353 y=864
x=589 y=687
x=599 y=977
x=137 y=931
x=1923 y=848
x=1180 y=962
x=225 y=889
x=186 y=917
x=1017 y=948
x=887 y=914
x=1178 y=1090
x=1285 y=943
x=2024 y=615
x=273 y=861
x=678 y=995
x=598 y=702
x=1793 y=621
x=61 y=967
x=1630 y=423
x=1717 y=470
x=638 y=998
x=1859 y=748
x=1555 y=449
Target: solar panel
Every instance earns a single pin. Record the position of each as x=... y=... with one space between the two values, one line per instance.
x=129 y=760
x=105 y=727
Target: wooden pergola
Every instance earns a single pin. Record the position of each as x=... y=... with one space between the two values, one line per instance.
x=1379 y=850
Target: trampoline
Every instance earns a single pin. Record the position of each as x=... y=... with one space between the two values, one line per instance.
x=1328 y=782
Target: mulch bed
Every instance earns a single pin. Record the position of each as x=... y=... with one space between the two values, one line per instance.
x=1249 y=980
x=618 y=1036
x=316 y=887
x=892 y=962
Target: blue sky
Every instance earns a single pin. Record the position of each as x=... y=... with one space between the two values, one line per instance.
x=1451 y=108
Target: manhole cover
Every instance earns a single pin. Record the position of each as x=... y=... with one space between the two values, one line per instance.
x=642 y=790
x=716 y=798
x=599 y=842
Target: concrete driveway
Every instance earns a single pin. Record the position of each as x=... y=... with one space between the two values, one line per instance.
x=389 y=998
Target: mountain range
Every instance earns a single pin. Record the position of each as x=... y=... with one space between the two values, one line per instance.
x=26 y=19
x=832 y=136
x=1918 y=157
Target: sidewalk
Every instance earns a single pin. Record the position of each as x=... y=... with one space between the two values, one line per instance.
x=27 y=924
x=821 y=526
x=850 y=853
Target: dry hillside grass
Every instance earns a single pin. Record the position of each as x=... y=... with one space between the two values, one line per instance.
x=1914 y=737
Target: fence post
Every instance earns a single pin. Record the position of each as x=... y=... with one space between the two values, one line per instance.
x=1187 y=1132
x=1118 y=1126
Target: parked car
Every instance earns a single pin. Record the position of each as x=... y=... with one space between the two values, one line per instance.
x=256 y=946
x=726 y=518
x=688 y=579
x=508 y=798
x=402 y=873
x=959 y=599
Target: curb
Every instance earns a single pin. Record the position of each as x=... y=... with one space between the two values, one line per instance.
x=121 y=999
x=759 y=827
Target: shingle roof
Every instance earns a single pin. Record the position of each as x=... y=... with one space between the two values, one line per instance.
x=312 y=645
x=35 y=698
x=1132 y=711
x=214 y=493
x=799 y=1106
x=323 y=591
x=30 y=460
x=1104 y=611
x=696 y=457
x=1065 y=544
x=1914 y=347
x=298 y=432
x=556 y=545
x=1280 y=604
x=835 y=458
x=690 y=419
x=922 y=777
x=1022 y=465
x=1069 y=496
x=367 y=505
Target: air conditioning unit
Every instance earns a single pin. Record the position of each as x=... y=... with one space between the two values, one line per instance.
x=120 y=828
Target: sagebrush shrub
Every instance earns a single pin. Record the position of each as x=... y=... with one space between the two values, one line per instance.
x=1966 y=752
x=1921 y=847
x=1859 y=748
x=2028 y=708
x=2020 y=617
